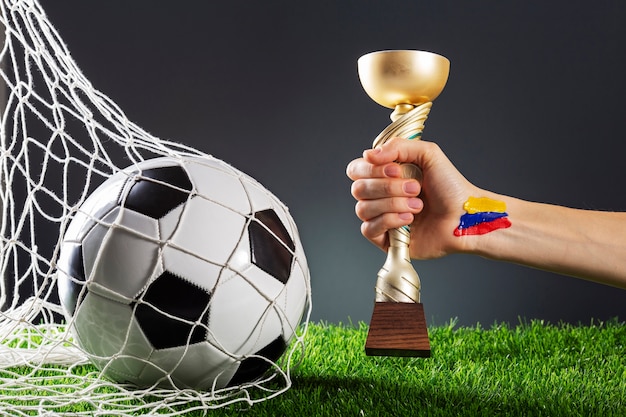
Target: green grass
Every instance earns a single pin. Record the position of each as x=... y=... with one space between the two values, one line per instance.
x=532 y=369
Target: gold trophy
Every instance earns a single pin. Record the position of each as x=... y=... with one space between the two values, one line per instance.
x=408 y=82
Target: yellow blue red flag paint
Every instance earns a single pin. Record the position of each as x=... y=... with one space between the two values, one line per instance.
x=483 y=215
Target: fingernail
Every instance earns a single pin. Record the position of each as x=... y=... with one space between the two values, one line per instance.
x=372 y=152
x=392 y=171
x=411 y=187
x=414 y=203
x=405 y=216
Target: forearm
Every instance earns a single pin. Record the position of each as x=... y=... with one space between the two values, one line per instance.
x=582 y=243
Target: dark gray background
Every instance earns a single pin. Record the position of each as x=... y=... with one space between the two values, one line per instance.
x=534 y=108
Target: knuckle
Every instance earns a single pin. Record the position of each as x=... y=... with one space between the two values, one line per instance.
x=365 y=229
x=388 y=188
x=369 y=230
x=431 y=148
x=360 y=210
x=392 y=205
x=351 y=170
x=357 y=189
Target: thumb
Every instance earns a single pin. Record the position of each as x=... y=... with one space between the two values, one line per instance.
x=397 y=150
x=382 y=154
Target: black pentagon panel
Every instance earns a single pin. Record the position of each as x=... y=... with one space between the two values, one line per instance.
x=173 y=296
x=252 y=368
x=269 y=253
x=72 y=268
x=154 y=199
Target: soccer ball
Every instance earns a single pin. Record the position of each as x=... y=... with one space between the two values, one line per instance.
x=182 y=272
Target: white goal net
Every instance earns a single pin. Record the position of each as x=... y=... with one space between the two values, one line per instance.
x=60 y=138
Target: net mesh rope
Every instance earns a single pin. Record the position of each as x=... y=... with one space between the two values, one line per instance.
x=60 y=138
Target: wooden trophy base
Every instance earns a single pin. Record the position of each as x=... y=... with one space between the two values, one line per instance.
x=398 y=329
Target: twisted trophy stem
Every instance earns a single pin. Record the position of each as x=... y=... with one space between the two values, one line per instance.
x=408 y=122
x=397 y=280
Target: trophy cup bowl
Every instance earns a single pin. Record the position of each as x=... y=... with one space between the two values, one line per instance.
x=398 y=77
x=406 y=81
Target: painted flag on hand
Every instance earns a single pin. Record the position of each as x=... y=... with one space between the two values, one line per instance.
x=483 y=215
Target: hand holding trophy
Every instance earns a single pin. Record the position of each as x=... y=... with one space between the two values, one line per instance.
x=406 y=81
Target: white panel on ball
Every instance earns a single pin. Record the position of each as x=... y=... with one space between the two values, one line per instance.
x=208 y=230
x=225 y=188
x=182 y=364
x=258 y=195
x=98 y=322
x=191 y=268
x=293 y=299
x=169 y=223
x=95 y=207
x=122 y=256
x=241 y=320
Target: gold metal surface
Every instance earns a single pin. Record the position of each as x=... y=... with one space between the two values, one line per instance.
x=397 y=280
x=408 y=82
x=405 y=125
x=403 y=77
